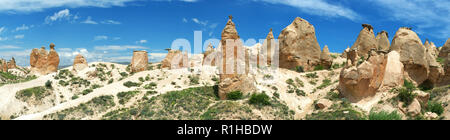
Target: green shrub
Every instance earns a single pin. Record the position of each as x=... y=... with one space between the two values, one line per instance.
x=383 y=115
x=259 y=99
x=300 y=92
x=151 y=85
x=235 y=95
x=290 y=81
x=325 y=83
x=141 y=79
x=408 y=85
x=86 y=91
x=48 y=84
x=131 y=84
x=125 y=96
x=299 y=69
x=319 y=67
x=38 y=93
x=74 y=97
x=435 y=107
x=124 y=74
x=194 y=79
x=276 y=95
x=405 y=95
x=312 y=75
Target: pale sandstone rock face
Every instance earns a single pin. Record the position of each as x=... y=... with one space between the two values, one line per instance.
x=359 y=82
x=209 y=56
x=445 y=50
x=3 y=65
x=175 y=59
x=383 y=41
x=323 y=103
x=299 y=46
x=393 y=72
x=422 y=97
x=366 y=41
x=43 y=62
x=430 y=115
x=139 y=61
x=234 y=81
x=270 y=49
x=79 y=63
x=445 y=80
x=12 y=63
x=344 y=54
x=325 y=59
x=412 y=54
x=414 y=108
x=431 y=48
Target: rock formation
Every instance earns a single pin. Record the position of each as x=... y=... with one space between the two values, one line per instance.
x=431 y=48
x=43 y=62
x=359 y=82
x=233 y=71
x=393 y=72
x=365 y=41
x=299 y=46
x=139 y=61
x=6 y=65
x=344 y=54
x=269 y=49
x=383 y=41
x=175 y=59
x=445 y=50
x=445 y=80
x=418 y=63
x=325 y=59
x=209 y=56
x=79 y=63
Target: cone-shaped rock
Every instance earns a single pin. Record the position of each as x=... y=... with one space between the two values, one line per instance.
x=139 y=61
x=233 y=76
x=79 y=63
x=209 y=56
x=299 y=46
x=325 y=58
x=365 y=41
x=445 y=50
x=383 y=41
x=3 y=65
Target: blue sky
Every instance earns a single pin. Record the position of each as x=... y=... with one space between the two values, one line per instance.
x=108 y=30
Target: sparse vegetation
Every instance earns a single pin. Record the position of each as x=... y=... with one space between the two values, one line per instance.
x=383 y=115
x=130 y=84
x=435 y=107
x=235 y=95
x=319 y=67
x=33 y=94
x=312 y=75
x=260 y=99
x=126 y=96
x=299 y=69
x=194 y=79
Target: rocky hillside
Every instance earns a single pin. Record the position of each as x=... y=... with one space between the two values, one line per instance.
x=373 y=80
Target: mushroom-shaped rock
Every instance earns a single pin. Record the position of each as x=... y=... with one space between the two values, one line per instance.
x=366 y=41
x=383 y=41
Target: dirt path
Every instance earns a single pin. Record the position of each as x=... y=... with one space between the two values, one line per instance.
x=8 y=102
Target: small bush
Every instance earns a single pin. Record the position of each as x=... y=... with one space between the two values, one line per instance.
x=48 y=84
x=300 y=92
x=276 y=95
x=405 y=95
x=299 y=69
x=74 y=97
x=319 y=67
x=86 y=91
x=408 y=85
x=152 y=86
x=194 y=80
x=383 y=115
x=435 y=107
x=131 y=84
x=235 y=95
x=312 y=75
x=259 y=99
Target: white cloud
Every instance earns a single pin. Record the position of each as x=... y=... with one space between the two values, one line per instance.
x=430 y=17
x=204 y=23
x=63 y=14
x=117 y=47
x=39 y=5
x=24 y=27
x=9 y=47
x=110 y=22
x=3 y=38
x=141 y=42
x=101 y=37
x=318 y=7
x=2 y=29
x=89 y=21
x=19 y=36
x=184 y=20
